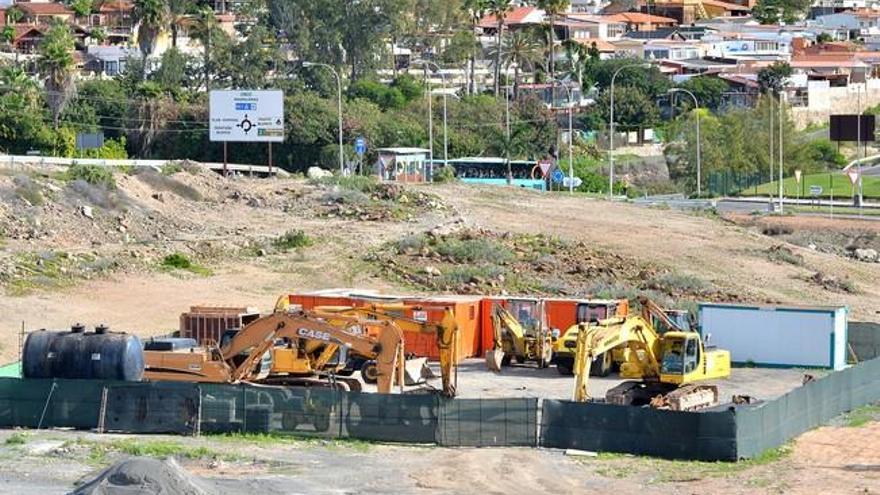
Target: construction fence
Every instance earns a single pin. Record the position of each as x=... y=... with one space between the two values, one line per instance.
x=723 y=433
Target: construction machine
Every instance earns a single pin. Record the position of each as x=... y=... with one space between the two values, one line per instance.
x=666 y=369
x=662 y=320
x=522 y=332
x=446 y=332
x=306 y=339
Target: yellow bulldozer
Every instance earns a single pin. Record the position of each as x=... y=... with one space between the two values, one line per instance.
x=666 y=371
x=526 y=338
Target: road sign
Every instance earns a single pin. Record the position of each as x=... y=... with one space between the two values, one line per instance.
x=247 y=116
x=853 y=175
x=797 y=176
x=545 y=166
x=360 y=145
x=558 y=176
x=815 y=190
x=88 y=141
x=575 y=183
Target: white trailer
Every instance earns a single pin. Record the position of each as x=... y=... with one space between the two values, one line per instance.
x=781 y=336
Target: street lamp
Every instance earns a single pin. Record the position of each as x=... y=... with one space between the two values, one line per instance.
x=697 y=116
x=339 y=102
x=611 y=126
x=445 y=128
x=570 y=137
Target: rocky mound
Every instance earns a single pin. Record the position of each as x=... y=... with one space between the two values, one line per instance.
x=145 y=476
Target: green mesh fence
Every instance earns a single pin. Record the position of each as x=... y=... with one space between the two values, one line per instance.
x=488 y=422
x=152 y=408
x=50 y=403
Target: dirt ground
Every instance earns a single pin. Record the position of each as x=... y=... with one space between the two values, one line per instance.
x=53 y=462
x=232 y=216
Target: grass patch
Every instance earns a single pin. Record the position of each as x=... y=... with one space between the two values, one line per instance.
x=863 y=415
x=360 y=183
x=99 y=452
x=459 y=275
x=473 y=250
x=620 y=466
x=782 y=254
x=51 y=270
x=272 y=439
x=292 y=239
x=179 y=261
x=840 y=184
x=92 y=174
x=28 y=190
x=675 y=283
x=17 y=438
x=171 y=168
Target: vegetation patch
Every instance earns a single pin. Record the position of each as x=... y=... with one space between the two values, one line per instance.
x=17 y=438
x=366 y=199
x=28 y=272
x=29 y=191
x=292 y=239
x=863 y=415
x=179 y=261
x=782 y=254
x=91 y=174
x=832 y=283
x=484 y=261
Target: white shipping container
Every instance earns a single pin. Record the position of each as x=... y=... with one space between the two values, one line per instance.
x=786 y=336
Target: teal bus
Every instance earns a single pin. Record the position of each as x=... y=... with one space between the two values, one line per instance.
x=489 y=170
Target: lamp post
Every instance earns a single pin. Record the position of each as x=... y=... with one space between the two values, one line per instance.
x=445 y=128
x=339 y=103
x=570 y=138
x=697 y=116
x=611 y=126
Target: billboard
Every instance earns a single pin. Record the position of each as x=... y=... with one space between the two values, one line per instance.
x=847 y=127
x=247 y=116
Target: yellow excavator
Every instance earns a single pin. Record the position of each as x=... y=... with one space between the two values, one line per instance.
x=530 y=340
x=446 y=332
x=666 y=369
x=238 y=359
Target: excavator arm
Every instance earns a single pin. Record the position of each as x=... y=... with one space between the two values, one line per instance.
x=651 y=309
x=593 y=340
x=446 y=332
x=260 y=335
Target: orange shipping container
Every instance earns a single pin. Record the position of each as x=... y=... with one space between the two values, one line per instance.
x=467 y=316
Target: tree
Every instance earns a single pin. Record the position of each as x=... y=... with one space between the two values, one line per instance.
x=99 y=35
x=773 y=78
x=824 y=38
x=648 y=79
x=475 y=10
x=522 y=50
x=500 y=9
x=152 y=16
x=633 y=109
x=178 y=15
x=708 y=90
x=82 y=8
x=171 y=75
x=553 y=8
x=56 y=65
x=8 y=35
x=775 y=11
x=205 y=29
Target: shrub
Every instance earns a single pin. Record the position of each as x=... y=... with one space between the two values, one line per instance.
x=292 y=239
x=178 y=261
x=459 y=275
x=473 y=250
x=673 y=282
x=28 y=190
x=171 y=168
x=444 y=174
x=782 y=254
x=92 y=174
x=776 y=229
x=411 y=243
x=360 y=183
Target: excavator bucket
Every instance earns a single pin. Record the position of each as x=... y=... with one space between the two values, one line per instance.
x=416 y=371
x=494 y=359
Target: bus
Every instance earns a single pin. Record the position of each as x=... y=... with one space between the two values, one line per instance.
x=489 y=170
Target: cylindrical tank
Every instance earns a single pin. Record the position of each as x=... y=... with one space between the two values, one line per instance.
x=78 y=354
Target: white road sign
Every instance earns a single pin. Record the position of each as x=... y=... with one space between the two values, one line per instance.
x=247 y=116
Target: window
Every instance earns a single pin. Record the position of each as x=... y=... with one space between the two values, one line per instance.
x=111 y=68
x=691 y=356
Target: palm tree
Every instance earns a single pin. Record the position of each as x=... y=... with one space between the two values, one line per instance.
x=178 y=15
x=578 y=57
x=553 y=8
x=475 y=10
x=152 y=17
x=14 y=15
x=8 y=35
x=56 y=65
x=500 y=9
x=521 y=49
x=204 y=28
x=20 y=84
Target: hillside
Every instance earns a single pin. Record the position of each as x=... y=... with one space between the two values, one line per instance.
x=93 y=254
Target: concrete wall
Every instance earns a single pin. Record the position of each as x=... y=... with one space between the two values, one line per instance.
x=864 y=339
x=824 y=101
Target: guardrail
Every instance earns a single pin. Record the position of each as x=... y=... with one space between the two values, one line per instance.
x=26 y=160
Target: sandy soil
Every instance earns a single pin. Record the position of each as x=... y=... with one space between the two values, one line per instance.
x=817 y=463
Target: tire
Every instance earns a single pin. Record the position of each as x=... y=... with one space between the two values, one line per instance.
x=370 y=372
x=505 y=361
x=603 y=366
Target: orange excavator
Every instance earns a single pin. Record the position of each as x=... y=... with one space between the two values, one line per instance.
x=239 y=358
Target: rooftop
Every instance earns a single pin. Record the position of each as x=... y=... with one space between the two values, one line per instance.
x=49 y=8
x=641 y=18
x=515 y=16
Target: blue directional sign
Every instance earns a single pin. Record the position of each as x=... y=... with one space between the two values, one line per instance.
x=558 y=176
x=360 y=145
